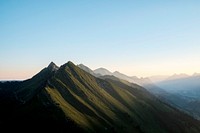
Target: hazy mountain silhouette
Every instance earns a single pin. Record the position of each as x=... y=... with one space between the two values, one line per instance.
x=103 y=72
x=185 y=91
x=183 y=84
x=87 y=69
x=69 y=99
x=179 y=90
x=158 y=78
x=177 y=76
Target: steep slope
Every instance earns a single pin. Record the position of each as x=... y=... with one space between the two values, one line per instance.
x=29 y=106
x=30 y=87
x=70 y=99
x=179 y=90
x=88 y=70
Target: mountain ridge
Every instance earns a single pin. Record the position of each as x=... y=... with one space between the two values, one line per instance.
x=179 y=90
x=71 y=97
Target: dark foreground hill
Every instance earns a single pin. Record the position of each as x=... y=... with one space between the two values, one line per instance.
x=68 y=99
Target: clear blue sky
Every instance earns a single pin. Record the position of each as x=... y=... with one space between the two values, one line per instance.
x=136 y=37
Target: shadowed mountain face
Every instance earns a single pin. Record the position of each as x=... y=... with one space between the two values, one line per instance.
x=67 y=98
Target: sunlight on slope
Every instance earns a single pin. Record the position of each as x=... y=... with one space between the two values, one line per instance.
x=69 y=110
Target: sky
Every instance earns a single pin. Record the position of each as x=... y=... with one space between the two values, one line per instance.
x=136 y=37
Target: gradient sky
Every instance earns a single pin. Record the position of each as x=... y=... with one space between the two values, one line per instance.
x=135 y=37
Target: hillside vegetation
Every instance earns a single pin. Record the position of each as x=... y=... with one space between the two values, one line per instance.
x=69 y=99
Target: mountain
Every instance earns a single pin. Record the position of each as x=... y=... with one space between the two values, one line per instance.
x=196 y=74
x=68 y=99
x=184 y=93
x=102 y=71
x=85 y=68
x=158 y=78
x=125 y=77
x=183 y=85
x=88 y=70
x=177 y=76
x=179 y=90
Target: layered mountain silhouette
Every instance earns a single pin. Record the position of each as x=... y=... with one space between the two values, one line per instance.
x=104 y=72
x=183 y=92
x=69 y=99
x=179 y=90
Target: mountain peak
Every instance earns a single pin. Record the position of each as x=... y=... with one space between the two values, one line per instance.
x=81 y=65
x=196 y=74
x=70 y=99
x=87 y=69
x=102 y=71
x=68 y=64
x=178 y=76
x=116 y=72
x=52 y=66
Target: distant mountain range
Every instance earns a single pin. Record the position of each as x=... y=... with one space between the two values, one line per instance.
x=69 y=99
x=184 y=93
x=102 y=72
x=179 y=90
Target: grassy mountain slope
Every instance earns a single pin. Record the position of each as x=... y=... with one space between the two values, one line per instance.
x=70 y=99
